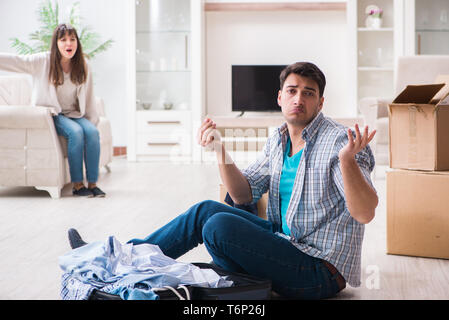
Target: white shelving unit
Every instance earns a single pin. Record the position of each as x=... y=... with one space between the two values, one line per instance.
x=164 y=70
x=376 y=49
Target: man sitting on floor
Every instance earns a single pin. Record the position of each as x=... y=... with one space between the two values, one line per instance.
x=320 y=196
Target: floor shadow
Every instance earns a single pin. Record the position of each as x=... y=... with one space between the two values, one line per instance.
x=32 y=192
x=23 y=192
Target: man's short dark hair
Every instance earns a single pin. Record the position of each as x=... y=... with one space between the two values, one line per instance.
x=307 y=70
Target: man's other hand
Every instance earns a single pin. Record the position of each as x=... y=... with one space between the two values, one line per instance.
x=356 y=145
x=208 y=136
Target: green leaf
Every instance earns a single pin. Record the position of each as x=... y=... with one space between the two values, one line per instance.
x=101 y=48
x=74 y=18
x=48 y=17
x=21 y=47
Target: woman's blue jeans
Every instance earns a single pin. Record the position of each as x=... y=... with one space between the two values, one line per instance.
x=242 y=242
x=83 y=142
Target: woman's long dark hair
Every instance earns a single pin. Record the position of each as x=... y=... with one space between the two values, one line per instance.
x=78 y=74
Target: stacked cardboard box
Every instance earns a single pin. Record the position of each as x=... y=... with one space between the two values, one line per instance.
x=418 y=184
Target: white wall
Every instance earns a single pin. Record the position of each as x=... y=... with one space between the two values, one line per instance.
x=18 y=19
x=280 y=37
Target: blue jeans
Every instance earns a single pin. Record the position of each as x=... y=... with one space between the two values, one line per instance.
x=83 y=142
x=242 y=242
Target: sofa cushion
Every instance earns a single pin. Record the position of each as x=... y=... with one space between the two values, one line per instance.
x=63 y=142
x=26 y=117
x=12 y=138
x=15 y=90
x=42 y=159
x=13 y=158
x=104 y=128
x=12 y=177
x=42 y=177
x=420 y=69
x=40 y=138
x=382 y=154
x=382 y=131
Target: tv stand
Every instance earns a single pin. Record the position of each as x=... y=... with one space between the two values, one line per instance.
x=241 y=114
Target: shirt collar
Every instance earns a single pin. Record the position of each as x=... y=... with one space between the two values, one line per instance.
x=309 y=131
x=312 y=128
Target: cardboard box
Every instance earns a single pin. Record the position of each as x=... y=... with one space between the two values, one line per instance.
x=261 y=204
x=418 y=213
x=419 y=127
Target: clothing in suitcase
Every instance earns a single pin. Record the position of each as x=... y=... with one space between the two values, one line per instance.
x=131 y=271
x=245 y=287
x=207 y=282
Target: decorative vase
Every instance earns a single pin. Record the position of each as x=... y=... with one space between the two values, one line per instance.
x=373 y=22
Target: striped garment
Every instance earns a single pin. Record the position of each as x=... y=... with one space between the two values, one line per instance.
x=320 y=223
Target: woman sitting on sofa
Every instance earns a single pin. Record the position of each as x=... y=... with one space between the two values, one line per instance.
x=62 y=80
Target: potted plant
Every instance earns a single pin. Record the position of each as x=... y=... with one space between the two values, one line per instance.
x=48 y=16
x=374 y=19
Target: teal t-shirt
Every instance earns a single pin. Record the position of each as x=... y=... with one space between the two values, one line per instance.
x=288 y=175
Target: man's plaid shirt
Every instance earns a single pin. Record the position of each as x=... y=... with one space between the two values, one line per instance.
x=320 y=223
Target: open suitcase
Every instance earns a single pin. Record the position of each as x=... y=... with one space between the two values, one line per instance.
x=246 y=287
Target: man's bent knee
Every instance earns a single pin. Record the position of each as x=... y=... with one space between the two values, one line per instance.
x=210 y=204
x=218 y=227
x=208 y=207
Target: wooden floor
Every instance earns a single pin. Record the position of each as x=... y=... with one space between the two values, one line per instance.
x=144 y=196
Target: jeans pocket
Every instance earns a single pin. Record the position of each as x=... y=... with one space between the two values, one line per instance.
x=330 y=286
x=323 y=286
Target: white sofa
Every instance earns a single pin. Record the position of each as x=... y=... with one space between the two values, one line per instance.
x=421 y=69
x=31 y=153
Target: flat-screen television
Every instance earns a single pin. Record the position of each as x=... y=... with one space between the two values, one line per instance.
x=255 y=87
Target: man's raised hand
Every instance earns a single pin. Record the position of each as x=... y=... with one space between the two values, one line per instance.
x=208 y=136
x=354 y=146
